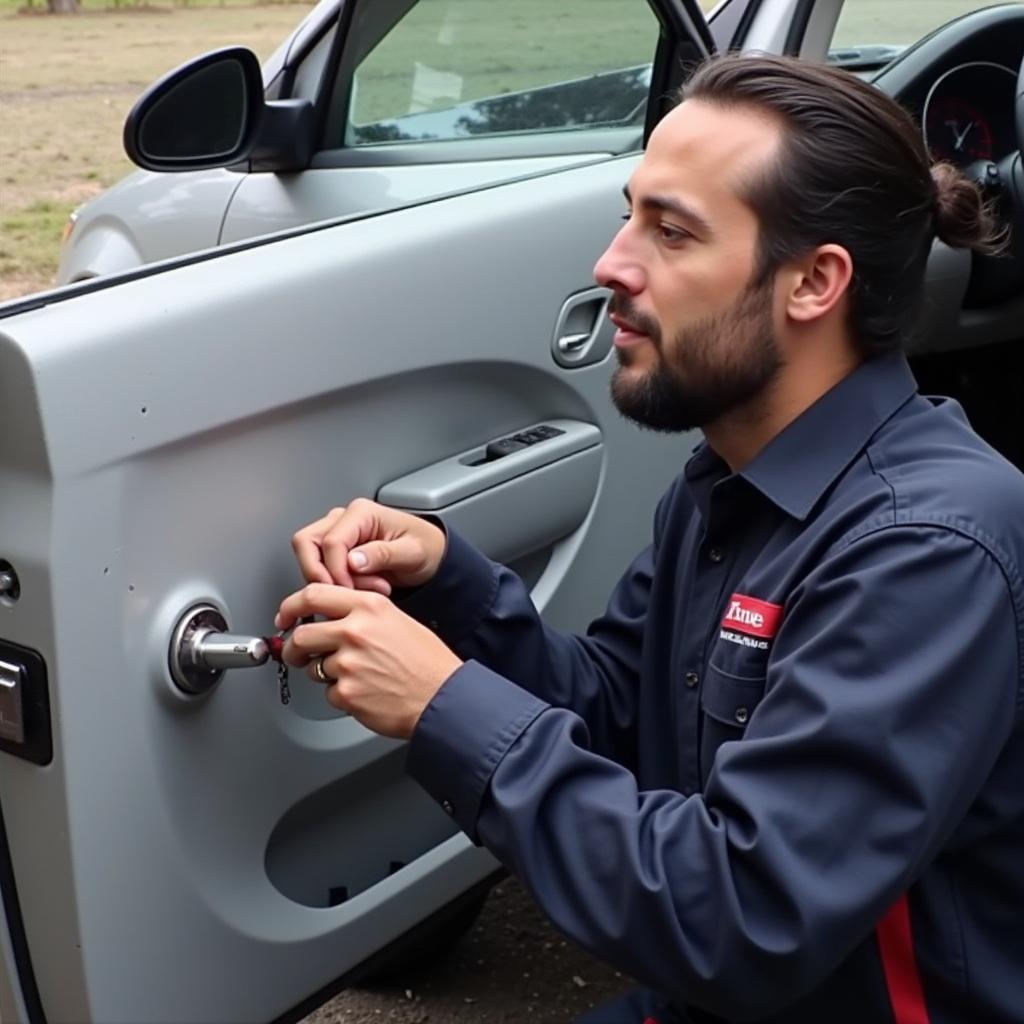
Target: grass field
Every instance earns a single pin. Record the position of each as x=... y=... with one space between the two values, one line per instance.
x=66 y=83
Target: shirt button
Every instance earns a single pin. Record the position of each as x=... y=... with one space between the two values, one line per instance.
x=715 y=554
x=447 y=807
x=692 y=679
x=742 y=714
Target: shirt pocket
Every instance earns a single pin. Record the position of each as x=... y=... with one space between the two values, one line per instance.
x=727 y=702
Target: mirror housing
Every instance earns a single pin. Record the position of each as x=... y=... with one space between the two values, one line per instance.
x=211 y=112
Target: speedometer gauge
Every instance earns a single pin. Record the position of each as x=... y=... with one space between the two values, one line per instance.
x=968 y=114
x=956 y=131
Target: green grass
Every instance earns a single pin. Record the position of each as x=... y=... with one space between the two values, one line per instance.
x=898 y=21
x=30 y=236
x=66 y=84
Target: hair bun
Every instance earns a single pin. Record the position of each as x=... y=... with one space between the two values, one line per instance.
x=963 y=219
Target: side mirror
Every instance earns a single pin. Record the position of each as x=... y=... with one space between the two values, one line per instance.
x=203 y=114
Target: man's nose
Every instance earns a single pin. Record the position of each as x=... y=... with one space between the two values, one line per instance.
x=619 y=268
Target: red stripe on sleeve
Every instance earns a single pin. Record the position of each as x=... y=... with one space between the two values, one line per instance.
x=902 y=978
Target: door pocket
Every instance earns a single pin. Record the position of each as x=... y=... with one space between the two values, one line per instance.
x=727 y=705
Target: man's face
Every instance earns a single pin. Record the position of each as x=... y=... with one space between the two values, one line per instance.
x=696 y=340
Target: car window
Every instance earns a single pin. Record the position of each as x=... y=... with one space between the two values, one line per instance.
x=459 y=68
x=870 y=33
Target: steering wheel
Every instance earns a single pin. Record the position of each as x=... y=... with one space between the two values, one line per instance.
x=997 y=278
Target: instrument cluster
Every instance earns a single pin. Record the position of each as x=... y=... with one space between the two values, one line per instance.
x=969 y=113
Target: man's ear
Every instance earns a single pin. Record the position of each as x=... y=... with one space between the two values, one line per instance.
x=818 y=283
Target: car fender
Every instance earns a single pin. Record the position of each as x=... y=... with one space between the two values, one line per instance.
x=147 y=217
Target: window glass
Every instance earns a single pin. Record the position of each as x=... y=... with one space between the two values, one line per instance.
x=870 y=33
x=460 y=68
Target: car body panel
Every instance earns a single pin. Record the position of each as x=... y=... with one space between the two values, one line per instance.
x=145 y=218
x=12 y=1002
x=271 y=202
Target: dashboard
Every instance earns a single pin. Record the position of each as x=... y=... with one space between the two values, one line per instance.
x=959 y=83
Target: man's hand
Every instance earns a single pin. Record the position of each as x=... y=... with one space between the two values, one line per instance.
x=384 y=667
x=369 y=547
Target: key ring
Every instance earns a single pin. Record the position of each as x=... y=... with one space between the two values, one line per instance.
x=275 y=644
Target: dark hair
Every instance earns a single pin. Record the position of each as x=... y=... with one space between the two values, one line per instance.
x=853 y=170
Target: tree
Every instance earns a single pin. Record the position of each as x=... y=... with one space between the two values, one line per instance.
x=63 y=6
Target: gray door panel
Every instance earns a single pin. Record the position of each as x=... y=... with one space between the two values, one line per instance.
x=265 y=202
x=159 y=443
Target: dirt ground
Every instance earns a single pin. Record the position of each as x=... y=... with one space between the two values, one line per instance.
x=510 y=968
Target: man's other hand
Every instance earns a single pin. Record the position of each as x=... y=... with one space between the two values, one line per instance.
x=367 y=546
x=381 y=666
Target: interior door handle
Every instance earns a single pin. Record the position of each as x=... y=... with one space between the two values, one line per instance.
x=572 y=343
x=583 y=332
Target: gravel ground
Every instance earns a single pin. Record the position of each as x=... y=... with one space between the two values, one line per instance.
x=510 y=967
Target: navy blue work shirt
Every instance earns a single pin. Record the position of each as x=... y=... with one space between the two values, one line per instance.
x=782 y=778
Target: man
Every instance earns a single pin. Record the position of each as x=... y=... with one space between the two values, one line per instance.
x=780 y=779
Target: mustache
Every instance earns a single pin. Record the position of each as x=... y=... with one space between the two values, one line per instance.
x=622 y=306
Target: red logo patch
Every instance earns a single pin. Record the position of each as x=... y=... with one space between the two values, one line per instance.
x=749 y=615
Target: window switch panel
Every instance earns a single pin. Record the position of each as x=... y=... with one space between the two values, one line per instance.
x=517 y=442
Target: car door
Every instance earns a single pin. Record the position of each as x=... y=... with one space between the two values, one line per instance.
x=178 y=845
x=419 y=99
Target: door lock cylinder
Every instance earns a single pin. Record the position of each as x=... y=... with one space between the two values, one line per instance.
x=202 y=650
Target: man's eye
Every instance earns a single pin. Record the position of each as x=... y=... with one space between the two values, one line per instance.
x=627 y=216
x=672 y=234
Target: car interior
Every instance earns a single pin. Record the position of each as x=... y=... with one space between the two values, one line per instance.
x=961 y=84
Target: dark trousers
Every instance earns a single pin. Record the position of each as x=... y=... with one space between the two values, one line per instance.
x=638 y=1006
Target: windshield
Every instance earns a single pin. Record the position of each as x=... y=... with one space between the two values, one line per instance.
x=870 y=33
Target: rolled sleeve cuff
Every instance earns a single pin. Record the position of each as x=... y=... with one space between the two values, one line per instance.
x=460 y=594
x=462 y=736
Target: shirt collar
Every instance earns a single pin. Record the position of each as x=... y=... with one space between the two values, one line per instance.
x=794 y=469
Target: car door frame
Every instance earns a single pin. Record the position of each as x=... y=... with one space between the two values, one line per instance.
x=677 y=19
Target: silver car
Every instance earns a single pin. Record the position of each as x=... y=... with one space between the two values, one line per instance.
x=176 y=844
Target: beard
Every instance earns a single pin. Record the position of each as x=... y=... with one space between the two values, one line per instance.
x=711 y=368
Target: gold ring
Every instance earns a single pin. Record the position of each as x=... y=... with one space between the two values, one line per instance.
x=318 y=670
